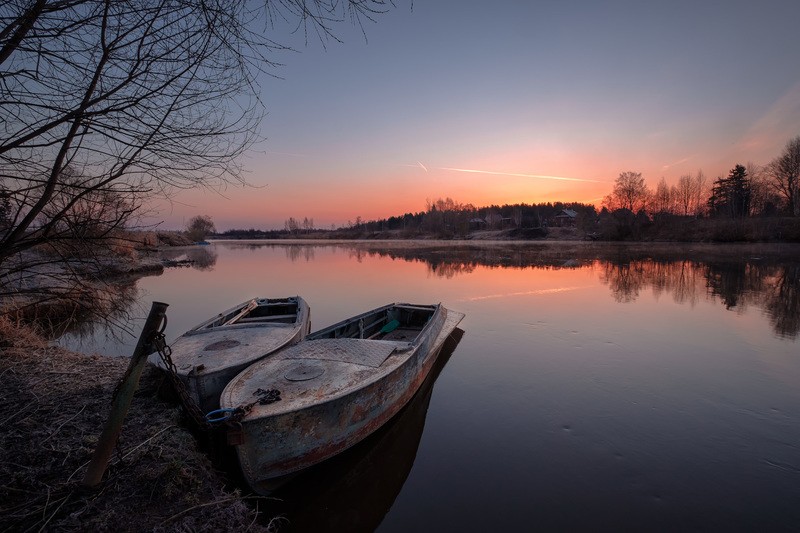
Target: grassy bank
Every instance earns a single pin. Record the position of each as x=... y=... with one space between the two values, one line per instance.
x=54 y=404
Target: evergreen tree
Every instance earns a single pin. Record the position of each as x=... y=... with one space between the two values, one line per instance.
x=731 y=196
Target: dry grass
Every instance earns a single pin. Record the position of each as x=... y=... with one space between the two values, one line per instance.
x=53 y=406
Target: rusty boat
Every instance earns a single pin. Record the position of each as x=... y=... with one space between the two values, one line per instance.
x=335 y=388
x=210 y=354
x=355 y=490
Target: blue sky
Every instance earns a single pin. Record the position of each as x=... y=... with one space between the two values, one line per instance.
x=524 y=93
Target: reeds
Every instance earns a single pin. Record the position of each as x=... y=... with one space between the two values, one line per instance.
x=53 y=404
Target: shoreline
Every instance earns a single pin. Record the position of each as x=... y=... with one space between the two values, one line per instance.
x=55 y=403
x=543 y=249
x=659 y=229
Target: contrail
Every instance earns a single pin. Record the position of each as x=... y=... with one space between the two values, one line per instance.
x=538 y=176
x=422 y=166
x=670 y=165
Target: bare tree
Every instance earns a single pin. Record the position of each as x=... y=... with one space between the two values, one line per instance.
x=630 y=192
x=291 y=225
x=685 y=194
x=784 y=172
x=199 y=227
x=701 y=192
x=689 y=193
x=136 y=97
x=763 y=199
x=663 y=198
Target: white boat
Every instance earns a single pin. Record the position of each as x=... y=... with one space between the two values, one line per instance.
x=209 y=355
x=337 y=387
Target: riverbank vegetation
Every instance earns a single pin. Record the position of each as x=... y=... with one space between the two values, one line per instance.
x=56 y=287
x=54 y=404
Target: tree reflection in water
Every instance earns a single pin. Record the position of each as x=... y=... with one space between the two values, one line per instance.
x=110 y=308
x=198 y=257
x=783 y=301
x=295 y=251
x=733 y=276
x=770 y=283
x=774 y=288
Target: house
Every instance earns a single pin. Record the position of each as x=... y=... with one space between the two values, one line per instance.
x=477 y=224
x=566 y=218
x=493 y=219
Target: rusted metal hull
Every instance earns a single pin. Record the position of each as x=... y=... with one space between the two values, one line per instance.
x=354 y=490
x=339 y=406
x=209 y=355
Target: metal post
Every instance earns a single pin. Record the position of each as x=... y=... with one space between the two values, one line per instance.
x=122 y=400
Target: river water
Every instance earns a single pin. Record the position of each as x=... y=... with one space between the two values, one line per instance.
x=592 y=387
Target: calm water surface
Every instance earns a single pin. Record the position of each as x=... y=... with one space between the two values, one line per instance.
x=593 y=388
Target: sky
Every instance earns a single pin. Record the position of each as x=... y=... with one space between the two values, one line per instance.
x=511 y=102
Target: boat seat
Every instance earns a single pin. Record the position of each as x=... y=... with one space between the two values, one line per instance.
x=402 y=334
x=391 y=326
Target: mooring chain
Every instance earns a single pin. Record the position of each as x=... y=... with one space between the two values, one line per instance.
x=233 y=416
x=165 y=352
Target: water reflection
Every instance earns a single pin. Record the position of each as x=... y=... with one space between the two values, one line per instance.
x=775 y=289
x=295 y=251
x=783 y=301
x=770 y=282
x=86 y=309
x=199 y=257
x=354 y=490
x=684 y=280
x=737 y=278
x=108 y=313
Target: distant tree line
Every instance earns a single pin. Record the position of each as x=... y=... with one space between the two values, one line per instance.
x=447 y=218
x=252 y=233
x=746 y=192
x=631 y=211
x=295 y=226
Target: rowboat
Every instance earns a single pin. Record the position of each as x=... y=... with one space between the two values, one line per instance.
x=335 y=388
x=210 y=354
x=354 y=490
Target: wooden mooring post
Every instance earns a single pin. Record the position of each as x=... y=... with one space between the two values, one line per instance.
x=122 y=399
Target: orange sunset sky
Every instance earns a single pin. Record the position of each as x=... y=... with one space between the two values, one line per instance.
x=492 y=103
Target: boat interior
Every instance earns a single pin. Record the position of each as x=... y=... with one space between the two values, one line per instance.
x=397 y=323
x=275 y=311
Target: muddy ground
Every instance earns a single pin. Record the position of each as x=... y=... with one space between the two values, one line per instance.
x=53 y=404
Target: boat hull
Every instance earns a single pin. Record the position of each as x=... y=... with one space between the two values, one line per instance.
x=287 y=442
x=354 y=490
x=208 y=356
